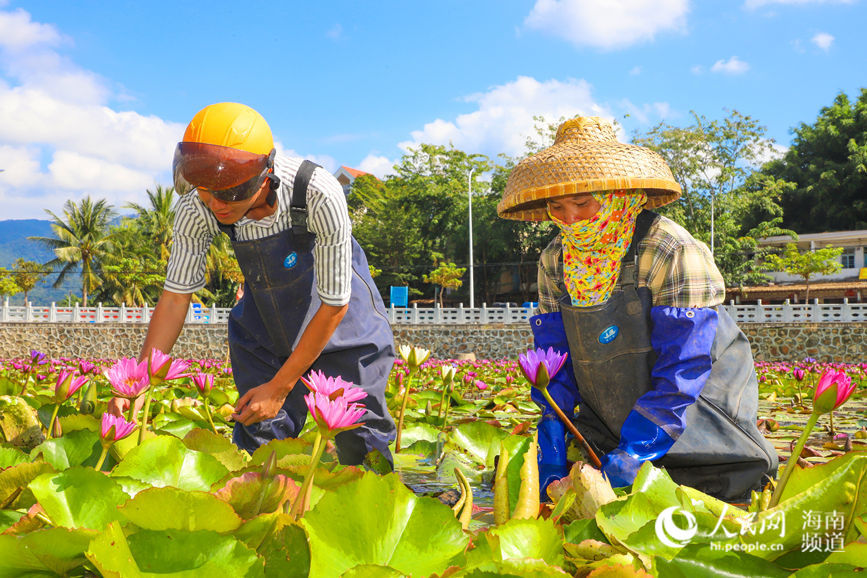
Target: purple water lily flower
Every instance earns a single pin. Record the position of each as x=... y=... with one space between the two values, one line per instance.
x=549 y=361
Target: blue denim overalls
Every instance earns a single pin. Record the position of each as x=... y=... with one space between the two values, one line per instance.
x=279 y=301
x=721 y=451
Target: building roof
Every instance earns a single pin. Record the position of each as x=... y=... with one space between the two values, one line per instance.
x=818 y=290
x=354 y=172
x=836 y=238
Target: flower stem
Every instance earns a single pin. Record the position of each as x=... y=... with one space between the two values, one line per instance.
x=51 y=423
x=145 y=415
x=130 y=411
x=208 y=414
x=98 y=466
x=402 y=412
x=303 y=499
x=793 y=460
x=590 y=453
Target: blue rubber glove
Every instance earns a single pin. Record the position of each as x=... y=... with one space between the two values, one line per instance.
x=682 y=338
x=552 y=452
x=620 y=467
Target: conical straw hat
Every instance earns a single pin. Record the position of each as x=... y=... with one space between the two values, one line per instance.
x=585 y=158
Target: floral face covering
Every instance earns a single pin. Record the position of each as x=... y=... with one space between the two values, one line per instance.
x=593 y=248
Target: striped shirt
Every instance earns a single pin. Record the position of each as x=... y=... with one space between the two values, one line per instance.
x=678 y=269
x=327 y=217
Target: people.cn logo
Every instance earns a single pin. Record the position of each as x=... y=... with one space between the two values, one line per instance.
x=670 y=533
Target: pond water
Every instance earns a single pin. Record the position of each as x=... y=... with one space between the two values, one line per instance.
x=423 y=477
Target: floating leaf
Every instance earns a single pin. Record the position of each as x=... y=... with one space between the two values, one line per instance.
x=11 y=456
x=479 y=440
x=518 y=539
x=19 y=424
x=166 y=461
x=14 y=480
x=252 y=493
x=48 y=551
x=200 y=553
x=75 y=448
x=206 y=441
x=173 y=509
x=377 y=520
x=79 y=498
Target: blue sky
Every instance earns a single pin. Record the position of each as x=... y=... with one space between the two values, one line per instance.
x=94 y=95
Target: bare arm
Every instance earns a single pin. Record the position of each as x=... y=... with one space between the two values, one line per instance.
x=264 y=401
x=166 y=323
x=165 y=326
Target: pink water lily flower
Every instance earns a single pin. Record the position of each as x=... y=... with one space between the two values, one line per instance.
x=832 y=391
x=204 y=382
x=128 y=378
x=540 y=366
x=333 y=387
x=67 y=384
x=114 y=428
x=161 y=367
x=481 y=384
x=333 y=415
x=798 y=374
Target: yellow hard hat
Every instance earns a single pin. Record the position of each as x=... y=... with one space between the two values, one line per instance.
x=227 y=149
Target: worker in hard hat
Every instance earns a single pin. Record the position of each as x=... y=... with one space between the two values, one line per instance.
x=658 y=369
x=309 y=302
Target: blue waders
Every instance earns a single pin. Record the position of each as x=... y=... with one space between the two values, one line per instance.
x=717 y=447
x=279 y=301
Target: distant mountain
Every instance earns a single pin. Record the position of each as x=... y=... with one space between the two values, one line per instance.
x=14 y=244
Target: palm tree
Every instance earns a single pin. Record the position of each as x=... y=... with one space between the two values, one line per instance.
x=157 y=221
x=82 y=238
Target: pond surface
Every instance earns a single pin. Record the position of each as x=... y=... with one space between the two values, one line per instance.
x=423 y=477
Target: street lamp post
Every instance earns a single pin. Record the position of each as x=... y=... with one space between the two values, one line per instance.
x=470 y=197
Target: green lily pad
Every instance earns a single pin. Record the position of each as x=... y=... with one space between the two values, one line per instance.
x=513 y=569
x=699 y=560
x=75 y=448
x=173 y=509
x=171 y=553
x=202 y=440
x=286 y=552
x=527 y=538
x=175 y=424
x=19 y=424
x=10 y=456
x=377 y=520
x=166 y=461
x=252 y=494
x=47 y=551
x=79 y=498
x=14 y=481
x=480 y=440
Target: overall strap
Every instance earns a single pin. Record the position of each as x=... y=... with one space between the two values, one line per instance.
x=629 y=263
x=298 y=207
x=228 y=229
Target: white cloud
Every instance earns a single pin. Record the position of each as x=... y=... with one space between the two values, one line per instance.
x=823 y=41
x=59 y=136
x=610 y=24
x=377 y=165
x=504 y=118
x=753 y=4
x=636 y=70
x=697 y=69
x=731 y=66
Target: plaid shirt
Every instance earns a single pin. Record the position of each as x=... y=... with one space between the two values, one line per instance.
x=678 y=269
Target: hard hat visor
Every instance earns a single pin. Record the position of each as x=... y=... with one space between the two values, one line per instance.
x=228 y=174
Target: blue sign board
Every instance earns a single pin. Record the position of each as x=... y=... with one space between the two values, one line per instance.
x=399 y=296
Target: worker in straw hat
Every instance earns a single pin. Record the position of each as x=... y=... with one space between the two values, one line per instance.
x=658 y=370
x=308 y=302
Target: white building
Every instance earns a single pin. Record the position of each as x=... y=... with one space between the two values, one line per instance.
x=853 y=258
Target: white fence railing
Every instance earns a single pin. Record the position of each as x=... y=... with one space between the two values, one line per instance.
x=759 y=313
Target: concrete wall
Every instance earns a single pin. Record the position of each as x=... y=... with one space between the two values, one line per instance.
x=844 y=342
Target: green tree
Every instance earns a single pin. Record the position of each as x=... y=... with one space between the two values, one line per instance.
x=805 y=265
x=827 y=162
x=446 y=275
x=8 y=287
x=81 y=239
x=27 y=275
x=156 y=221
